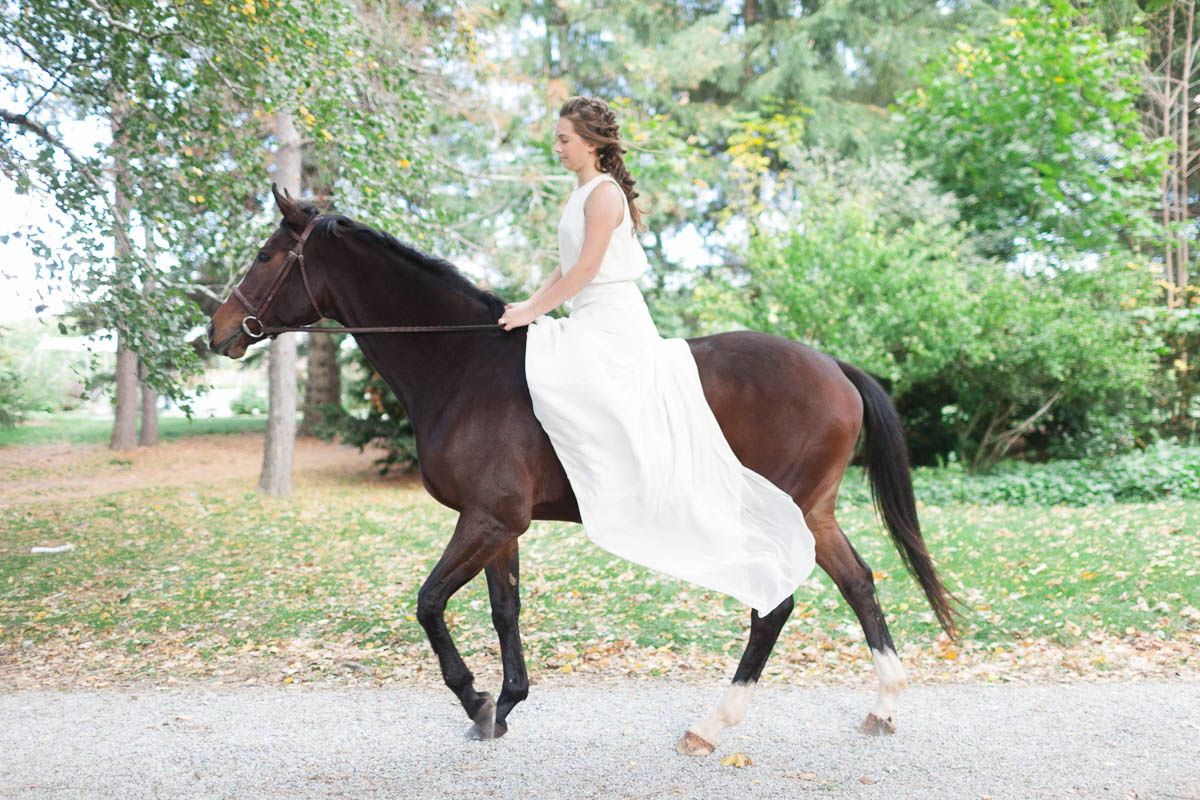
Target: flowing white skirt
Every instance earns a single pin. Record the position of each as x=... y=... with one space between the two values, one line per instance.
x=656 y=481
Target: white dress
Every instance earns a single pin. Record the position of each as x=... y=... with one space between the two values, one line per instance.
x=656 y=481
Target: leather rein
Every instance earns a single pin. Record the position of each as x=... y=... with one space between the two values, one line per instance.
x=296 y=256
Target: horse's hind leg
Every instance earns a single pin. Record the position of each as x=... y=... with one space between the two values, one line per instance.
x=853 y=577
x=477 y=539
x=701 y=738
x=503 y=576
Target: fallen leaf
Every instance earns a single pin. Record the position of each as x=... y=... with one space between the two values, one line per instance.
x=736 y=760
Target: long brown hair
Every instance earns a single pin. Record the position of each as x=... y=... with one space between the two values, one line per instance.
x=596 y=124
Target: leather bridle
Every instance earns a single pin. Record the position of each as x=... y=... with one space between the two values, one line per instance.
x=296 y=256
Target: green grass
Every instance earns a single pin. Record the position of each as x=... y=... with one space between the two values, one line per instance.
x=220 y=571
x=73 y=429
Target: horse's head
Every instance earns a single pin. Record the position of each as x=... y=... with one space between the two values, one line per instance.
x=274 y=291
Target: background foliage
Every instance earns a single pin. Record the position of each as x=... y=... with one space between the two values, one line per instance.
x=956 y=196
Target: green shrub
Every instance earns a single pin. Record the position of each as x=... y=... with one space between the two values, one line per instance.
x=250 y=402
x=982 y=359
x=1163 y=472
x=12 y=407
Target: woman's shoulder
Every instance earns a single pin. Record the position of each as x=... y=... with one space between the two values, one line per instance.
x=606 y=199
x=606 y=189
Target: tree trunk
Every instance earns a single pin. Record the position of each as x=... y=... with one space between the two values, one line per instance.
x=124 y=431
x=276 y=477
x=148 y=435
x=1172 y=71
x=324 y=385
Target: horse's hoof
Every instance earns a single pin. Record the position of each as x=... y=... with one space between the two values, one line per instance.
x=499 y=730
x=485 y=721
x=693 y=745
x=874 y=726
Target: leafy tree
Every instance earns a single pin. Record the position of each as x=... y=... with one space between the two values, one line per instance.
x=1172 y=70
x=189 y=92
x=869 y=263
x=13 y=400
x=681 y=75
x=1034 y=126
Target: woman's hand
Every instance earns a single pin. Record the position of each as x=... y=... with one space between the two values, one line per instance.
x=518 y=315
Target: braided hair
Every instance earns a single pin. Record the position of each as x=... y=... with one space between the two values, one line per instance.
x=596 y=124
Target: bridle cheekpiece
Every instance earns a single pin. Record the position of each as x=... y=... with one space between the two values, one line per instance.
x=294 y=256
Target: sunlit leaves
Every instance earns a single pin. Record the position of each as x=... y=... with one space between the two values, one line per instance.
x=1034 y=126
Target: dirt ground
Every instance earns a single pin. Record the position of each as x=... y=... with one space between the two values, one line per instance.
x=66 y=471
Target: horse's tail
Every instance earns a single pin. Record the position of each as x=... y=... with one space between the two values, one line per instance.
x=891 y=487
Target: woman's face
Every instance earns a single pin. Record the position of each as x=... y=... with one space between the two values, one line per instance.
x=574 y=153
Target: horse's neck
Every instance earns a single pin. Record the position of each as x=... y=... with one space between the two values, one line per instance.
x=422 y=369
x=373 y=286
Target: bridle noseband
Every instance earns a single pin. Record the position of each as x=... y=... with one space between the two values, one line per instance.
x=296 y=256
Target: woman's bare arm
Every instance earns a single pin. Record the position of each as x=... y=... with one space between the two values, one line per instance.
x=551 y=279
x=602 y=213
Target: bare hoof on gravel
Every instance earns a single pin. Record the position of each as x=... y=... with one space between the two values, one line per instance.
x=874 y=726
x=485 y=721
x=693 y=745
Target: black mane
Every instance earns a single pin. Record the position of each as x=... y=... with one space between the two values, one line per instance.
x=337 y=226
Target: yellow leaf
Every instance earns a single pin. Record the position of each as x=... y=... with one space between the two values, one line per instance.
x=737 y=760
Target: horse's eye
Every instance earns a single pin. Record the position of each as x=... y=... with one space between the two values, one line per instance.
x=264 y=257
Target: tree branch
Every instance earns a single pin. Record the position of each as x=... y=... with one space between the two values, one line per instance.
x=125 y=26
x=120 y=223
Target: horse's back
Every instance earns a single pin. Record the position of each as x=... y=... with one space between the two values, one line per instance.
x=787 y=410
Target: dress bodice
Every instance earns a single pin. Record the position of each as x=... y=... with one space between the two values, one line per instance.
x=624 y=260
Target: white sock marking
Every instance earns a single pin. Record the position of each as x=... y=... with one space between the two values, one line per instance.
x=892 y=682
x=730 y=711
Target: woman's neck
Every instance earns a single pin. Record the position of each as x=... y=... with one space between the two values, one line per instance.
x=586 y=174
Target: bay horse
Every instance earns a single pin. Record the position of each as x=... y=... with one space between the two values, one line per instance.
x=789 y=412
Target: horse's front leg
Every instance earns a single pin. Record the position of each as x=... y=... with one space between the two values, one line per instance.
x=477 y=539
x=701 y=738
x=503 y=577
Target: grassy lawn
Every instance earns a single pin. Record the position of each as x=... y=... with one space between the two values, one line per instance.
x=211 y=582
x=50 y=428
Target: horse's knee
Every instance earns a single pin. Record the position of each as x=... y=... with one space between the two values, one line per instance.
x=861 y=584
x=430 y=609
x=504 y=620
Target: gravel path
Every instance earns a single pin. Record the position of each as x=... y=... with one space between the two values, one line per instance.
x=1132 y=740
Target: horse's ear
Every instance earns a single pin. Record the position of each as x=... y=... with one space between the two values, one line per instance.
x=292 y=211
